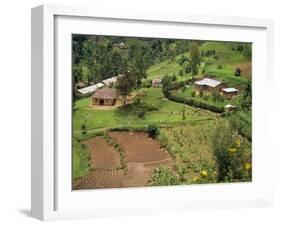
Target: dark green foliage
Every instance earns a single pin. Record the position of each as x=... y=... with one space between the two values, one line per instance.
x=124 y=85
x=244 y=99
x=166 y=84
x=193 y=93
x=183 y=113
x=182 y=60
x=219 y=66
x=99 y=57
x=194 y=58
x=181 y=73
x=164 y=176
x=153 y=131
x=237 y=72
x=83 y=129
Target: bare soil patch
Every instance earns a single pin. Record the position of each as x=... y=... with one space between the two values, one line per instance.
x=139 y=148
x=102 y=179
x=102 y=155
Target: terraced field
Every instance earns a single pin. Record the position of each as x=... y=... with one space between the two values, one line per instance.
x=142 y=156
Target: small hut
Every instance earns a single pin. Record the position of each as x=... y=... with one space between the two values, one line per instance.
x=156 y=83
x=104 y=96
x=229 y=92
x=229 y=108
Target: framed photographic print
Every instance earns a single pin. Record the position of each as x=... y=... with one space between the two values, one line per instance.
x=134 y=112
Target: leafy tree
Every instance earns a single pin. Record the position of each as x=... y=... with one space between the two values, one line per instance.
x=124 y=86
x=194 y=58
x=244 y=100
x=183 y=113
x=237 y=72
x=182 y=60
x=153 y=131
x=166 y=84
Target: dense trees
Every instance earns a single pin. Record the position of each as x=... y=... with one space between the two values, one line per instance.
x=99 y=57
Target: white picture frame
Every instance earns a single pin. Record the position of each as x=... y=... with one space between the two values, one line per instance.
x=52 y=197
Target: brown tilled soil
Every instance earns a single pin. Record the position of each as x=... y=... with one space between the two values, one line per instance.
x=102 y=155
x=139 y=148
x=142 y=156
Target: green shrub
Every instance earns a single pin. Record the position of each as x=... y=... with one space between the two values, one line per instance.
x=153 y=131
x=237 y=72
x=164 y=176
x=219 y=66
x=232 y=155
x=193 y=93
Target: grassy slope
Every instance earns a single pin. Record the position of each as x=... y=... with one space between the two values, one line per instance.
x=81 y=162
x=168 y=112
x=227 y=58
x=167 y=67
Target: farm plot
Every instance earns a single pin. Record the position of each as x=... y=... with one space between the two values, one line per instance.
x=102 y=155
x=139 y=148
x=142 y=156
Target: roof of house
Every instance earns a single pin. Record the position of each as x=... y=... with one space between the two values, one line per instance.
x=208 y=82
x=110 y=80
x=230 y=90
x=229 y=106
x=90 y=89
x=105 y=93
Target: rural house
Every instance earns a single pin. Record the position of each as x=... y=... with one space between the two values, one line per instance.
x=104 y=96
x=110 y=81
x=229 y=92
x=90 y=89
x=208 y=84
x=229 y=108
x=156 y=83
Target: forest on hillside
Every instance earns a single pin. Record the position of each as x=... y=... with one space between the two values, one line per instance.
x=99 y=57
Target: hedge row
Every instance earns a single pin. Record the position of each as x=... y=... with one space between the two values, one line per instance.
x=193 y=103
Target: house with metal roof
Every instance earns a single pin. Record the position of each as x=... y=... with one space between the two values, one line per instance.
x=90 y=89
x=110 y=81
x=208 y=84
x=229 y=92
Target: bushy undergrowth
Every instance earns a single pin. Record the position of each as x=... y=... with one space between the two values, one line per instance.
x=233 y=156
x=137 y=108
x=164 y=176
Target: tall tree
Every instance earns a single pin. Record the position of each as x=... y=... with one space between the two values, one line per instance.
x=194 y=58
x=124 y=85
